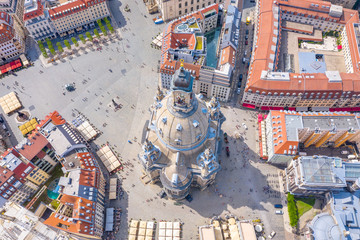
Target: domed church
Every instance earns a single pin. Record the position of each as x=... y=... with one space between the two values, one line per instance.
x=182 y=140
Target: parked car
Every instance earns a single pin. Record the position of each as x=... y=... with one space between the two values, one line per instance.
x=244 y=126
x=227 y=151
x=240 y=77
x=278 y=206
x=2 y=119
x=238 y=91
x=225 y=138
x=246 y=37
x=246 y=42
x=272 y=234
x=243 y=60
x=279 y=212
x=239 y=84
x=4 y=126
x=247 y=31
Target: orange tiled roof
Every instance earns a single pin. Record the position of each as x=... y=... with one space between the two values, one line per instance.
x=228 y=56
x=83 y=216
x=55 y=117
x=305 y=81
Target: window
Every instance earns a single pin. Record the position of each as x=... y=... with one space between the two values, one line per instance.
x=185 y=10
x=179 y=12
x=186 y=4
x=179 y=5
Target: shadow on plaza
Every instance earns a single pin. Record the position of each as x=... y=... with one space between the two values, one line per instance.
x=238 y=184
x=117 y=13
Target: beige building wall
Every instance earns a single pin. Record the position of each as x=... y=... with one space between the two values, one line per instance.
x=171 y=9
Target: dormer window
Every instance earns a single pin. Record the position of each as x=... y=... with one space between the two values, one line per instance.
x=195 y=123
x=179 y=127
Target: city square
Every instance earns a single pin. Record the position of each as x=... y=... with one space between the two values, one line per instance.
x=193 y=105
x=133 y=81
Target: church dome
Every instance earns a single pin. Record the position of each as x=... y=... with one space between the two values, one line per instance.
x=179 y=130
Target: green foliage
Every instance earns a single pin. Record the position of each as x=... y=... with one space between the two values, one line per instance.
x=55 y=204
x=82 y=38
x=304 y=204
x=73 y=39
x=67 y=44
x=88 y=35
x=99 y=23
x=96 y=32
x=45 y=54
x=292 y=209
x=103 y=30
x=59 y=46
x=49 y=43
x=106 y=20
x=41 y=45
x=108 y=25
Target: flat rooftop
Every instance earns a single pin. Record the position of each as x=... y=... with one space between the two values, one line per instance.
x=298 y=26
x=329 y=122
x=313 y=58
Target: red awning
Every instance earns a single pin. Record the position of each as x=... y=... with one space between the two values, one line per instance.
x=8 y=67
x=3 y=69
x=267 y=108
x=18 y=63
x=13 y=65
x=292 y=109
x=249 y=106
x=351 y=109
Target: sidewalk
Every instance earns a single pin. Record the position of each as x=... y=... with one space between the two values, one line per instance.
x=287 y=226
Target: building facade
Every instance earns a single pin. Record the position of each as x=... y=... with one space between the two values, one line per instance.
x=12 y=41
x=77 y=15
x=171 y=9
x=37 y=21
x=270 y=85
x=288 y=133
x=181 y=145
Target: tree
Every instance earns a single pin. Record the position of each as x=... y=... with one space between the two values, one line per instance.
x=73 y=39
x=99 y=23
x=106 y=20
x=82 y=38
x=88 y=35
x=49 y=43
x=41 y=45
x=292 y=209
x=67 y=44
x=96 y=33
x=103 y=30
x=60 y=48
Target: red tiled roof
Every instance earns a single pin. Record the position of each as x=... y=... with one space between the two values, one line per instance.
x=37 y=143
x=19 y=170
x=71 y=7
x=33 y=14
